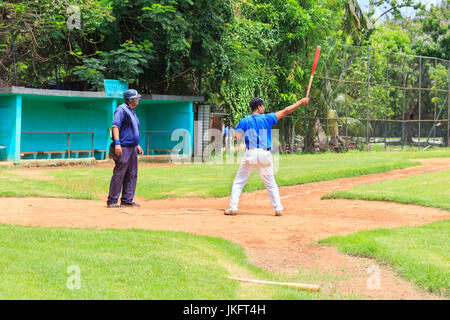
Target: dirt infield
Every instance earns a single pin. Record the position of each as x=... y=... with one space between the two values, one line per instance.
x=282 y=244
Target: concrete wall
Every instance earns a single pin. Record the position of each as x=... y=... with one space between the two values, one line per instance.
x=61 y=116
x=166 y=117
x=10 y=126
x=20 y=114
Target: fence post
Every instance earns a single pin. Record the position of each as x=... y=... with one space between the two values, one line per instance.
x=345 y=98
x=305 y=138
x=435 y=103
x=448 y=107
x=327 y=110
x=367 y=98
x=386 y=115
x=68 y=145
x=404 y=102
x=420 y=98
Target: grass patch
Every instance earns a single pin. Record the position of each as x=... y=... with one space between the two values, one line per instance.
x=419 y=254
x=430 y=189
x=16 y=185
x=208 y=180
x=131 y=264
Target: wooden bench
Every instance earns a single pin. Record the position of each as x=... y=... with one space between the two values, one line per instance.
x=169 y=150
x=77 y=152
x=102 y=154
x=3 y=148
x=48 y=154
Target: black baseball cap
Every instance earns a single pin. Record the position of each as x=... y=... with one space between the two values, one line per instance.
x=256 y=102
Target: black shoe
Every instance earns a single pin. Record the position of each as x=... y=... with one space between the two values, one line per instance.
x=132 y=204
x=113 y=205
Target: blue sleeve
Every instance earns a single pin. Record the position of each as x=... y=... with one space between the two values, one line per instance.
x=119 y=115
x=242 y=126
x=272 y=119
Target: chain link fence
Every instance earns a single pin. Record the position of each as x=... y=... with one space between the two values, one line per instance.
x=370 y=99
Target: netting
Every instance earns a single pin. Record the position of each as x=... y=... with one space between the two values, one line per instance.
x=369 y=99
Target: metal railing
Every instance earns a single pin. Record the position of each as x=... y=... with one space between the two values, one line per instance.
x=159 y=131
x=68 y=139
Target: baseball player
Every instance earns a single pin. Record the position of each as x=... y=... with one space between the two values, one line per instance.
x=258 y=141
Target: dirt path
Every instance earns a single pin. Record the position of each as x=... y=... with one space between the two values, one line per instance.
x=282 y=244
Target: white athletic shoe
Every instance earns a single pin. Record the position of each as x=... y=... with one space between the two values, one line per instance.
x=278 y=213
x=229 y=212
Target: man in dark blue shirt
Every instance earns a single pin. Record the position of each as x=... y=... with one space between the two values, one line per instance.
x=258 y=140
x=125 y=133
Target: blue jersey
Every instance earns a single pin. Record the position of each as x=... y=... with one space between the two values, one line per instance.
x=256 y=128
x=128 y=123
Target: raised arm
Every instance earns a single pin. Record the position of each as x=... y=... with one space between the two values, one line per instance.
x=288 y=110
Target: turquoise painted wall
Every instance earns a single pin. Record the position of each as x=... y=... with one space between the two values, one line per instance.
x=57 y=116
x=34 y=113
x=167 y=117
x=10 y=126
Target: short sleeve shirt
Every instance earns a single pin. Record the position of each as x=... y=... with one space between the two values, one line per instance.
x=127 y=121
x=257 y=130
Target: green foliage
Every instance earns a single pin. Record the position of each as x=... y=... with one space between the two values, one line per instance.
x=240 y=72
x=43 y=36
x=390 y=38
x=124 y=64
x=355 y=20
x=432 y=34
x=267 y=50
x=92 y=71
x=229 y=50
x=439 y=79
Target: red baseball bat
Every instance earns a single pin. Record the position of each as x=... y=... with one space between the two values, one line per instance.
x=316 y=60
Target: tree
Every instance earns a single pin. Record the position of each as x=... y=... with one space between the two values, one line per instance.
x=43 y=37
x=432 y=35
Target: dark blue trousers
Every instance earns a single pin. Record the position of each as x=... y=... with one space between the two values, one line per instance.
x=124 y=177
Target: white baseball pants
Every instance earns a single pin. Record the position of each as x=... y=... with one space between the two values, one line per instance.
x=261 y=160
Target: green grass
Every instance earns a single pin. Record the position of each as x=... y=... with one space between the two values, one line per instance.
x=430 y=189
x=16 y=185
x=132 y=264
x=396 y=147
x=419 y=254
x=207 y=180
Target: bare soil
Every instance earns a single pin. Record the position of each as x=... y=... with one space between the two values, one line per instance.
x=281 y=244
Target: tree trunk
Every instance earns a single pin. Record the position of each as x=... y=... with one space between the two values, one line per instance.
x=292 y=136
x=309 y=136
x=407 y=129
x=321 y=136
